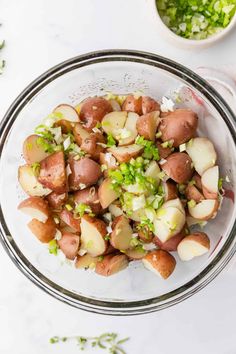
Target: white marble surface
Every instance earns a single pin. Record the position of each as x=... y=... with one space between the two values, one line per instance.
x=40 y=34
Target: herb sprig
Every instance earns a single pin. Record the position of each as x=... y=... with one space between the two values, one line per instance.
x=106 y=341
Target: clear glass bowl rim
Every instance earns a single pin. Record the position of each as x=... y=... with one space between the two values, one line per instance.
x=91 y=304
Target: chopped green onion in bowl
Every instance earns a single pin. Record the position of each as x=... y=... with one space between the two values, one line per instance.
x=196 y=19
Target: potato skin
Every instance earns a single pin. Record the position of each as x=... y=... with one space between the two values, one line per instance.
x=93 y=110
x=83 y=171
x=80 y=134
x=145 y=235
x=178 y=167
x=90 y=145
x=147 y=125
x=170 y=190
x=192 y=193
x=199 y=237
x=132 y=104
x=198 y=181
x=45 y=232
x=32 y=152
x=171 y=244
x=162 y=261
x=111 y=264
x=69 y=244
x=56 y=200
x=179 y=126
x=90 y=197
x=68 y=218
x=65 y=125
x=163 y=152
x=52 y=172
x=149 y=105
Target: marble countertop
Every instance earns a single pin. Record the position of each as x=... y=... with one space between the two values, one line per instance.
x=40 y=34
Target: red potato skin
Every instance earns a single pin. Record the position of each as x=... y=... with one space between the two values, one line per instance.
x=172 y=191
x=37 y=202
x=93 y=110
x=209 y=195
x=83 y=171
x=149 y=105
x=65 y=125
x=145 y=235
x=145 y=126
x=192 y=193
x=77 y=135
x=69 y=244
x=90 y=197
x=179 y=126
x=110 y=264
x=199 y=237
x=45 y=232
x=52 y=172
x=178 y=167
x=132 y=104
x=67 y=217
x=90 y=145
x=103 y=161
x=29 y=145
x=158 y=260
x=163 y=152
x=197 y=179
x=55 y=200
x=171 y=244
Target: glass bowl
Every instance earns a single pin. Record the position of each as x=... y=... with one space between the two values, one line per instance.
x=134 y=290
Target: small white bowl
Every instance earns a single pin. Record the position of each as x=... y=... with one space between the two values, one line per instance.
x=190 y=43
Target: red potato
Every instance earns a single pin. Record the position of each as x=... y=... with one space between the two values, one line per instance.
x=178 y=166
x=86 y=261
x=91 y=145
x=65 y=125
x=68 y=112
x=90 y=197
x=32 y=151
x=80 y=134
x=121 y=235
x=160 y=262
x=30 y=184
x=174 y=203
x=106 y=194
x=93 y=110
x=111 y=264
x=149 y=105
x=115 y=209
x=197 y=179
x=52 y=172
x=115 y=105
x=153 y=171
x=69 y=244
x=35 y=207
x=84 y=173
x=135 y=253
x=193 y=245
x=204 y=210
x=179 y=126
x=210 y=179
x=113 y=122
x=147 y=125
x=45 y=232
x=130 y=128
x=163 y=152
x=68 y=218
x=93 y=232
x=132 y=104
x=170 y=190
x=145 y=235
x=56 y=201
x=192 y=193
x=171 y=244
x=126 y=153
x=109 y=161
x=202 y=153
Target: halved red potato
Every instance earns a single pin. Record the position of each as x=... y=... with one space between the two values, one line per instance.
x=160 y=262
x=121 y=235
x=197 y=180
x=106 y=194
x=192 y=193
x=90 y=197
x=69 y=244
x=210 y=179
x=52 y=172
x=111 y=264
x=35 y=207
x=175 y=203
x=204 y=210
x=55 y=200
x=163 y=151
x=93 y=110
x=171 y=244
x=65 y=125
x=135 y=253
x=93 y=232
x=68 y=112
x=45 y=232
x=109 y=161
x=149 y=105
x=115 y=209
x=68 y=218
x=153 y=171
x=86 y=261
x=169 y=222
x=29 y=182
x=202 y=153
x=80 y=134
x=179 y=126
x=84 y=173
x=129 y=129
x=126 y=153
x=193 y=245
x=132 y=104
x=170 y=190
x=145 y=235
x=32 y=151
x=93 y=145
x=113 y=122
x=178 y=166
x=147 y=125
